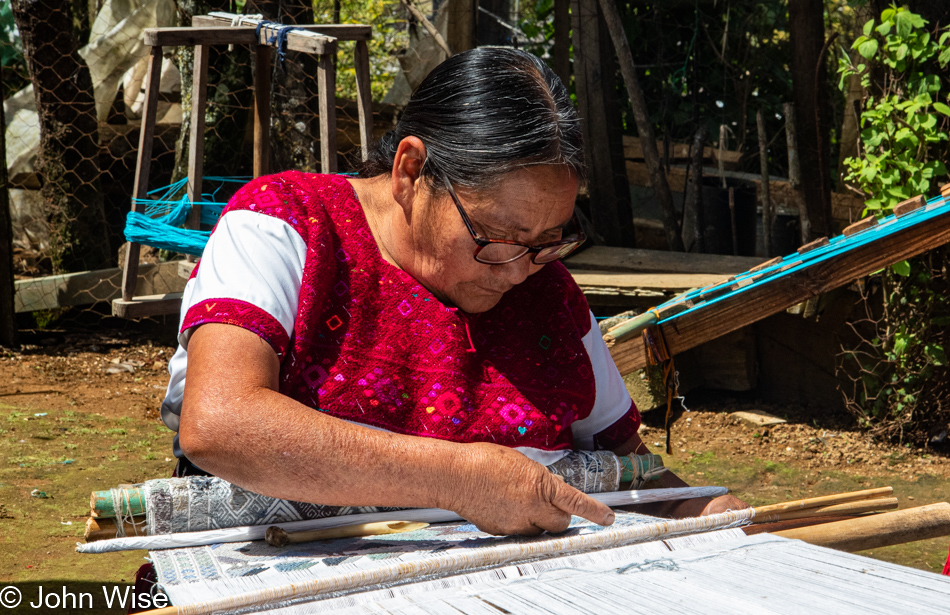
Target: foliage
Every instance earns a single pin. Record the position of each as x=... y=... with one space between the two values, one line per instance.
x=390 y=34
x=905 y=117
x=899 y=366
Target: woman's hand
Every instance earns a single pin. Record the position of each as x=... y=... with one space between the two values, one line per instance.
x=722 y=504
x=503 y=492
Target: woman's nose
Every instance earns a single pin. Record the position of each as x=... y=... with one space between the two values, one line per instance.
x=517 y=271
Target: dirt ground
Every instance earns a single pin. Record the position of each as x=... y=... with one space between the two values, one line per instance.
x=79 y=412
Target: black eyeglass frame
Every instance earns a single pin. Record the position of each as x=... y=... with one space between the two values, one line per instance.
x=482 y=242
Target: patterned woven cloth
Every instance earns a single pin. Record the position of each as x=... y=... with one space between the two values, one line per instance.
x=198 y=503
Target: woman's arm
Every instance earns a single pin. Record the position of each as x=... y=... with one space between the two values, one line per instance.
x=681 y=508
x=236 y=425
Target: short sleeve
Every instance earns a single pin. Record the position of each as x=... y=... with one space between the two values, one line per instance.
x=614 y=415
x=249 y=275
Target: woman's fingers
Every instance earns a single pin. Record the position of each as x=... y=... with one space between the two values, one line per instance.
x=722 y=504
x=574 y=502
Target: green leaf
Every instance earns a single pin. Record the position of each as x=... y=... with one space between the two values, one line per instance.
x=942 y=108
x=867 y=27
x=944 y=57
x=868 y=48
x=904 y=22
x=902 y=269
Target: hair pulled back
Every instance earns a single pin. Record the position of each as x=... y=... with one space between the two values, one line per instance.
x=484 y=113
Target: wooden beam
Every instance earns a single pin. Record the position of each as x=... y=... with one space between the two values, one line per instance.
x=780 y=293
x=309 y=42
x=666 y=282
x=89 y=287
x=343 y=32
x=196 y=144
x=603 y=258
x=364 y=97
x=143 y=164
x=147 y=306
x=262 y=91
x=326 y=80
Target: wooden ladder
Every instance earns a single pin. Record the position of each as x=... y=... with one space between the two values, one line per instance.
x=217 y=29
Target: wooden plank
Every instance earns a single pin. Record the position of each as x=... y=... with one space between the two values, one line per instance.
x=309 y=42
x=667 y=282
x=603 y=258
x=905 y=207
x=185 y=269
x=364 y=98
x=196 y=143
x=147 y=306
x=777 y=294
x=262 y=91
x=143 y=164
x=326 y=79
x=343 y=32
x=89 y=287
x=861 y=225
x=633 y=149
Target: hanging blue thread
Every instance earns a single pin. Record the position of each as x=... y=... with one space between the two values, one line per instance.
x=159 y=225
x=278 y=39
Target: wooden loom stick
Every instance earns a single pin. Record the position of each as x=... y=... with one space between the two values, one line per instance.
x=847 y=508
x=451 y=563
x=825 y=500
x=103 y=529
x=774 y=295
x=871 y=532
x=424 y=515
x=277 y=537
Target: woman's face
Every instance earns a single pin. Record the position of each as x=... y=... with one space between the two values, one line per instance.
x=530 y=205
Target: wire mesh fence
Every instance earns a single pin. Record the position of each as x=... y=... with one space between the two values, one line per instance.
x=73 y=77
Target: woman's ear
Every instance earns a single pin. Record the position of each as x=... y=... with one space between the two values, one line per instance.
x=407 y=172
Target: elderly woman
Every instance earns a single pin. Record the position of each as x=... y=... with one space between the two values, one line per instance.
x=407 y=338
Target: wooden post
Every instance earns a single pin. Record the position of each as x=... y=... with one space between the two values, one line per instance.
x=877 y=531
x=130 y=270
x=693 y=206
x=262 y=87
x=766 y=198
x=600 y=120
x=364 y=99
x=461 y=25
x=562 y=40
x=732 y=221
x=651 y=156
x=326 y=78
x=8 y=333
x=794 y=171
x=196 y=144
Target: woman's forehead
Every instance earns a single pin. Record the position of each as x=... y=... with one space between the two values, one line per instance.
x=524 y=198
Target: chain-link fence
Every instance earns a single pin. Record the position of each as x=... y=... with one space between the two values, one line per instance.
x=73 y=81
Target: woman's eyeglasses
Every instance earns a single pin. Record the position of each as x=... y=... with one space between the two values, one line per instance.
x=501 y=251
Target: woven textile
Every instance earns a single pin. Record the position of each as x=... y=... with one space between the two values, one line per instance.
x=198 y=503
x=197 y=573
x=371 y=345
x=590 y=472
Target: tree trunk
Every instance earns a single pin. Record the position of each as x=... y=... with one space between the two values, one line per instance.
x=295 y=108
x=7 y=286
x=694 y=215
x=461 y=30
x=651 y=156
x=594 y=80
x=68 y=165
x=228 y=112
x=809 y=74
x=489 y=31
x=562 y=40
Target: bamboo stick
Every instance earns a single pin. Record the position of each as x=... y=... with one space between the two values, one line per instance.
x=825 y=500
x=104 y=529
x=871 y=532
x=846 y=508
x=278 y=537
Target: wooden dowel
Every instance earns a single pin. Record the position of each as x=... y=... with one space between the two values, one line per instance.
x=278 y=537
x=872 y=532
x=104 y=529
x=773 y=527
x=847 y=508
x=825 y=500
x=629 y=328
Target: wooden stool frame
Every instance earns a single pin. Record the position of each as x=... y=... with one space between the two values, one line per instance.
x=216 y=29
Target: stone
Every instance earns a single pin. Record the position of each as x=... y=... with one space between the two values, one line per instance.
x=757 y=418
